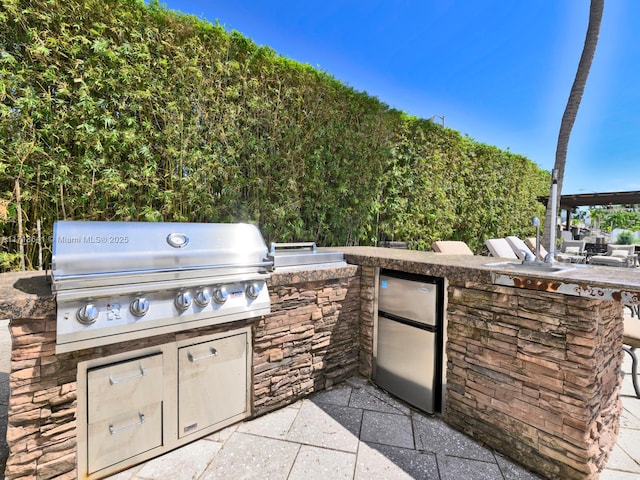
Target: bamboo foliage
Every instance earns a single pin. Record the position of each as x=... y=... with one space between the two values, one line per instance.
x=121 y=110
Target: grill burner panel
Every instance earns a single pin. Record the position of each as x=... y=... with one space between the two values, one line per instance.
x=154 y=279
x=115 y=321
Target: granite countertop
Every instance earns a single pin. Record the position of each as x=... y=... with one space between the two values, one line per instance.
x=612 y=283
x=25 y=294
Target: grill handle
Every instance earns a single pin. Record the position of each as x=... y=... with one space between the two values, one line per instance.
x=296 y=245
x=83 y=276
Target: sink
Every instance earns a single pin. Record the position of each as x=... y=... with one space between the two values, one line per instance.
x=538 y=267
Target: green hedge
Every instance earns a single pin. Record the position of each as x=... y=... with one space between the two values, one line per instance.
x=119 y=110
x=441 y=185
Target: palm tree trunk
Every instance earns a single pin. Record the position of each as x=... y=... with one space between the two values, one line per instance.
x=571 y=111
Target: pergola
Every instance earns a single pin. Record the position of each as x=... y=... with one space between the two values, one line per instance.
x=570 y=202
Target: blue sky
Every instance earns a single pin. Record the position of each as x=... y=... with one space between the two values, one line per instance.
x=499 y=71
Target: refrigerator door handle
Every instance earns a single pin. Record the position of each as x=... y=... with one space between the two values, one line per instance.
x=406 y=321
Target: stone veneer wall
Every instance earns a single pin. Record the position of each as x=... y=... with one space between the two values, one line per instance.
x=308 y=342
x=367 y=312
x=41 y=431
x=535 y=375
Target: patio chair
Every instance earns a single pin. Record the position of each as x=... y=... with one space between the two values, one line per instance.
x=531 y=243
x=451 y=247
x=566 y=235
x=631 y=341
x=519 y=248
x=572 y=251
x=499 y=247
x=616 y=256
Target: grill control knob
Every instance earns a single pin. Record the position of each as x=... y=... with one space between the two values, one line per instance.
x=220 y=295
x=139 y=307
x=87 y=314
x=252 y=290
x=203 y=297
x=183 y=300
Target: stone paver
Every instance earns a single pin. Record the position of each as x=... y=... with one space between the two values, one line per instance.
x=274 y=425
x=247 y=456
x=329 y=426
x=513 y=471
x=455 y=468
x=628 y=419
x=387 y=429
x=371 y=398
x=433 y=435
x=384 y=462
x=617 y=475
x=620 y=460
x=624 y=461
x=185 y=463
x=313 y=463
x=340 y=395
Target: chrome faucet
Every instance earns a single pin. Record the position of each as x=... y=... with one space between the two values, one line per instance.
x=536 y=223
x=528 y=258
x=548 y=259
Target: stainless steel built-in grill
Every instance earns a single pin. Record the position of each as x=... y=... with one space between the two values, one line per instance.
x=117 y=281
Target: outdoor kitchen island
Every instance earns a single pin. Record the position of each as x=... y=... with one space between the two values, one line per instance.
x=533 y=360
x=58 y=400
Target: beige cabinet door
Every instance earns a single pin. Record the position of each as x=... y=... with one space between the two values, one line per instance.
x=124 y=436
x=124 y=385
x=212 y=383
x=124 y=410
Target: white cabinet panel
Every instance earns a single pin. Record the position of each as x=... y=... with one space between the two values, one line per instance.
x=212 y=383
x=124 y=385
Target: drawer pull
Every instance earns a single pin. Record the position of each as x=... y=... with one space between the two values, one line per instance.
x=113 y=431
x=142 y=373
x=214 y=353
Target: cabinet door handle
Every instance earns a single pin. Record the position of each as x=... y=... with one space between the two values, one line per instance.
x=142 y=373
x=113 y=431
x=214 y=353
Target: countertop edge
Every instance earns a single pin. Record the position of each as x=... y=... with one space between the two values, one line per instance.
x=311 y=273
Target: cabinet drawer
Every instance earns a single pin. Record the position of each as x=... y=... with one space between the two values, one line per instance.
x=212 y=383
x=131 y=384
x=124 y=436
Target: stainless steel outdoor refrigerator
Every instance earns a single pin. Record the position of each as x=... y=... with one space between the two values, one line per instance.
x=408 y=360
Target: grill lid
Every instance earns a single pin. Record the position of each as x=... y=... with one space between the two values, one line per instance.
x=85 y=250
